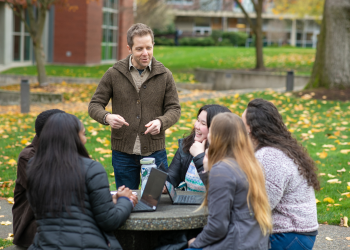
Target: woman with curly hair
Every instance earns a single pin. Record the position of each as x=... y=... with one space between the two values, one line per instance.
x=290 y=175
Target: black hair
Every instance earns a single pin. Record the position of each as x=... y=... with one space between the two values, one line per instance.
x=55 y=173
x=268 y=130
x=42 y=118
x=212 y=110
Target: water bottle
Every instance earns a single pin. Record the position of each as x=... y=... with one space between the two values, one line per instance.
x=147 y=164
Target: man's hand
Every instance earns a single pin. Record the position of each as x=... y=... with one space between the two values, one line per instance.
x=116 y=121
x=153 y=127
x=197 y=148
x=191 y=241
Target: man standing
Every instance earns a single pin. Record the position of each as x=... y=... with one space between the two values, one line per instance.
x=144 y=104
x=24 y=226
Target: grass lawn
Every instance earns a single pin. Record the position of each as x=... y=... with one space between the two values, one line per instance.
x=182 y=61
x=321 y=126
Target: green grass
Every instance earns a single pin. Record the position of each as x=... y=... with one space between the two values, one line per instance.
x=313 y=122
x=5 y=243
x=183 y=60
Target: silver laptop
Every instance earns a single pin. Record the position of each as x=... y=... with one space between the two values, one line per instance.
x=182 y=199
x=152 y=193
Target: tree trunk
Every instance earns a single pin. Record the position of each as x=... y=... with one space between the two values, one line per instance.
x=40 y=63
x=259 y=41
x=332 y=64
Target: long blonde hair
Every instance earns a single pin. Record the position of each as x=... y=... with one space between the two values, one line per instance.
x=229 y=139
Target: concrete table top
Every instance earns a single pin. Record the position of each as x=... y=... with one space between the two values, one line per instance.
x=168 y=216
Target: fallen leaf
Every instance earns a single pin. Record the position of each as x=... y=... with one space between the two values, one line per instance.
x=11 y=200
x=345 y=151
x=348 y=238
x=327 y=238
x=337 y=205
x=6 y=223
x=346 y=221
x=323 y=155
x=24 y=141
x=12 y=162
x=329 y=200
x=331 y=176
x=328 y=146
x=333 y=181
x=317 y=201
x=2 y=216
x=341 y=170
x=111 y=174
x=321 y=174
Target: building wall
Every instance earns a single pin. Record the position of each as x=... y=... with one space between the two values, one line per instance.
x=77 y=37
x=126 y=19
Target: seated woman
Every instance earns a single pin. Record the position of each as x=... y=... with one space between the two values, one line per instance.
x=290 y=177
x=69 y=192
x=239 y=212
x=188 y=159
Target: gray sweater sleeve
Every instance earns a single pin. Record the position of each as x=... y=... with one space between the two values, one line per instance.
x=222 y=185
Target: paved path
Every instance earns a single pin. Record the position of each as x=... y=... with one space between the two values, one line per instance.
x=338 y=234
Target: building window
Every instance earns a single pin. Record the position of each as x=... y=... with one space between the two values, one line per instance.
x=109 y=30
x=22 y=43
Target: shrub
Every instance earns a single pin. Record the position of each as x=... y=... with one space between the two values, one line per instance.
x=236 y=38
x=197 y=41
x=163 y=41
x=225 y=42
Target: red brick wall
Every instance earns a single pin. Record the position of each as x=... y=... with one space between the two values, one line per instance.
x=126 y=19
x=94 y=32
x=78 y=32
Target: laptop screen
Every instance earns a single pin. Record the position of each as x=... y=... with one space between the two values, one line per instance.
x=171 y=190
x=154 y=187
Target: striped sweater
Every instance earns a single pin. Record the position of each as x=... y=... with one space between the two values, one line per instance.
x=292 y=201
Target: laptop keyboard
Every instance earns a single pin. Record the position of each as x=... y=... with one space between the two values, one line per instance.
x=141 y=206
x=187 y=199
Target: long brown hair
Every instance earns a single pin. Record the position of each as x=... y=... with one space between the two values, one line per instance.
x=229 y=139
x=268 y=130
x=212 y=110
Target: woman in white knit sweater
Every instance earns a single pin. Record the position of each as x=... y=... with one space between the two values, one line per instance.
x=290 y=177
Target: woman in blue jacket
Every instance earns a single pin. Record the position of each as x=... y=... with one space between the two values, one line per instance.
x=69 y=192
x=239 y=212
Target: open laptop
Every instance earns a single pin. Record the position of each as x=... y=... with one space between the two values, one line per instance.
x=182 y=199
x=152 y=192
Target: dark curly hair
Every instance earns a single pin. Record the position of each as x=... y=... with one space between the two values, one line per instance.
x=268 y=130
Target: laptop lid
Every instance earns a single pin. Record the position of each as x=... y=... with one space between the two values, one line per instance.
x=171 y=191
x=154 y=187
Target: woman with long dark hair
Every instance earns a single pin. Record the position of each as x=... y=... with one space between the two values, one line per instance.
x=69 y=192
x=290 y=177
x=188 y=159
x=239 y=212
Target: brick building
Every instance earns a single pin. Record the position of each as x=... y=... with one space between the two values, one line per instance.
x=93 y=34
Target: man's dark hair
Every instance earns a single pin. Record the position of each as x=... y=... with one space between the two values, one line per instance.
x=42 y=118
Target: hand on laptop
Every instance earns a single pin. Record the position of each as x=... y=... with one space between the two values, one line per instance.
x=125 y=192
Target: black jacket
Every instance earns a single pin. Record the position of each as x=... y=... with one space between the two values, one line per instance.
x=180 y=163
x=92 y=229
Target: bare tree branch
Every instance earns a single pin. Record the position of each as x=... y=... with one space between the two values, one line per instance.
x=255 y=5
x=246 y=15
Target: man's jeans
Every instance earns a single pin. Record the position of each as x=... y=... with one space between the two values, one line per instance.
x=127 y=167
x=291 y=241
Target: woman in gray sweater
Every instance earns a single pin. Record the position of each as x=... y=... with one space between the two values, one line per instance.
x=290 y=177
x=239 y=212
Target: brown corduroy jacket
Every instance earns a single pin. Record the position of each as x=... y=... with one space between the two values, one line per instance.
x=24 y=225
x=157 y=99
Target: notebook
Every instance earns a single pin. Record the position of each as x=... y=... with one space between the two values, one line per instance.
x=182 y=199
x=152 y=193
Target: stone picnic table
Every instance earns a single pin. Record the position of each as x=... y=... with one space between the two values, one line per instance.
x=143 y=230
